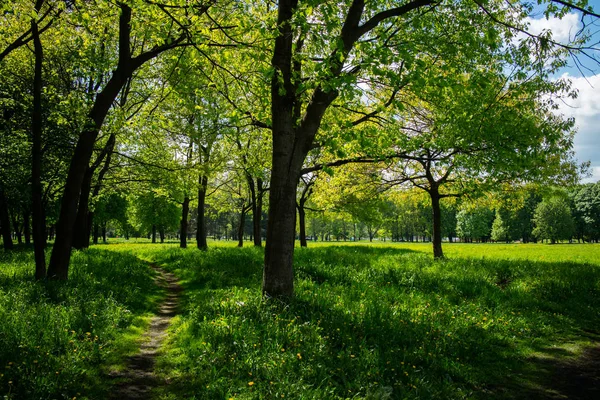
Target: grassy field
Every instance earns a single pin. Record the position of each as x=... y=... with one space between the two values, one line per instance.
x=368 y=322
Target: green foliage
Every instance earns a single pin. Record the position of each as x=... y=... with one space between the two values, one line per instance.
x=474 y=223
x=375 y=322
x=586 y=201
x=58 y=339
x=553 y=220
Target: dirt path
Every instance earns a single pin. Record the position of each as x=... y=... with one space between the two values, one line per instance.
x=139 y=379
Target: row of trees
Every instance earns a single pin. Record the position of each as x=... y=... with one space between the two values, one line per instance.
x=178 y=99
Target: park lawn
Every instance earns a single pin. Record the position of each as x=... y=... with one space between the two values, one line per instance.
x=380 y=321
x=368 y=321
x=60 y=340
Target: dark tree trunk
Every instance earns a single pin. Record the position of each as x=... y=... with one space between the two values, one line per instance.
x=26 y=228
x=37 y=205
x=257 y=214
x=90 y=224
x=17 y=229
x=161 y=232
x=437 y=223
x=5 y=222
x=81 y=229
x=240 y=230
x=153 y=233
x=201 y=219
x=104 y=232
x=183 y=225
x=302 y=223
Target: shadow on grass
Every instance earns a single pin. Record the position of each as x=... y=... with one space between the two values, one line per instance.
x=380 y=323
x=57 y=338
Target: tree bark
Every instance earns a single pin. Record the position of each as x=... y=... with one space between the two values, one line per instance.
x=241 y=224
x=81 y=230
x=161 y=233
x=201 y=219
x=5 y=222
x=302 y=223
x=26 y=228
x=153 y=233
x=183 y=225
x=437 y=223
x=17 y=229
x=104 y=233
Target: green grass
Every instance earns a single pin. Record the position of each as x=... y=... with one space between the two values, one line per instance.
x=379 y=321
x=384 y=321
x=58 y=340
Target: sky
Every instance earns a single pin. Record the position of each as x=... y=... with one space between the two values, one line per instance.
x=586 y=107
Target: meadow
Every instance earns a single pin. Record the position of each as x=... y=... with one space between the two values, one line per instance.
x=381 y=321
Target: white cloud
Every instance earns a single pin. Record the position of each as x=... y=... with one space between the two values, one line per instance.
x=586 y=111
x=563 y=30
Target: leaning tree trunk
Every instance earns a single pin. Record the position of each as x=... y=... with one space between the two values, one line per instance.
x=201 y=220
x=183 y=224
x=127 y=65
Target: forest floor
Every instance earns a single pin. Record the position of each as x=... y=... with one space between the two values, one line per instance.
x=138 y=379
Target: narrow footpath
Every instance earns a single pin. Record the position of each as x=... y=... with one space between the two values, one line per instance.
x=138 y=379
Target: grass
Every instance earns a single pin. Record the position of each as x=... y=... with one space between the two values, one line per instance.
x=384 y=321
x=58 y=340
x=379 y=322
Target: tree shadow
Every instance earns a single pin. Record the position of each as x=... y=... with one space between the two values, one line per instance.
x=389 y=316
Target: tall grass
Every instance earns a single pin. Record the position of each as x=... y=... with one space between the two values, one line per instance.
x=372 y=322
x=57 y=339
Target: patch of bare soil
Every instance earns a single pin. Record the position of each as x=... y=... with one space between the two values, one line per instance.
x=138 y=379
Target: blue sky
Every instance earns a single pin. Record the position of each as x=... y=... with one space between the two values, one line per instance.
x=586 y=108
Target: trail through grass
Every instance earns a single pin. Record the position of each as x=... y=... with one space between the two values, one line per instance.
x=367 y=322
x=58 y=340
x=380 y=322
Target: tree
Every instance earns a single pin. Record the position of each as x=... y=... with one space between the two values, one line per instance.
x=312 y=69
x=474 y=223
x=553 y=220
x=132 y=55
x=587 y=205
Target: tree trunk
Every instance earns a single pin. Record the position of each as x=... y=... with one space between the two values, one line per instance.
x=81 y=230
x=201 y=220
x=257 y=214
x=240 y=231
x=302 y=224
x=37 y=205
x=183 y=226
x=104 y=233
x=153 y=233
x=161 y=232
x=5 y=222
x=17 y=229
x=26 y=228
x=437 y=223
